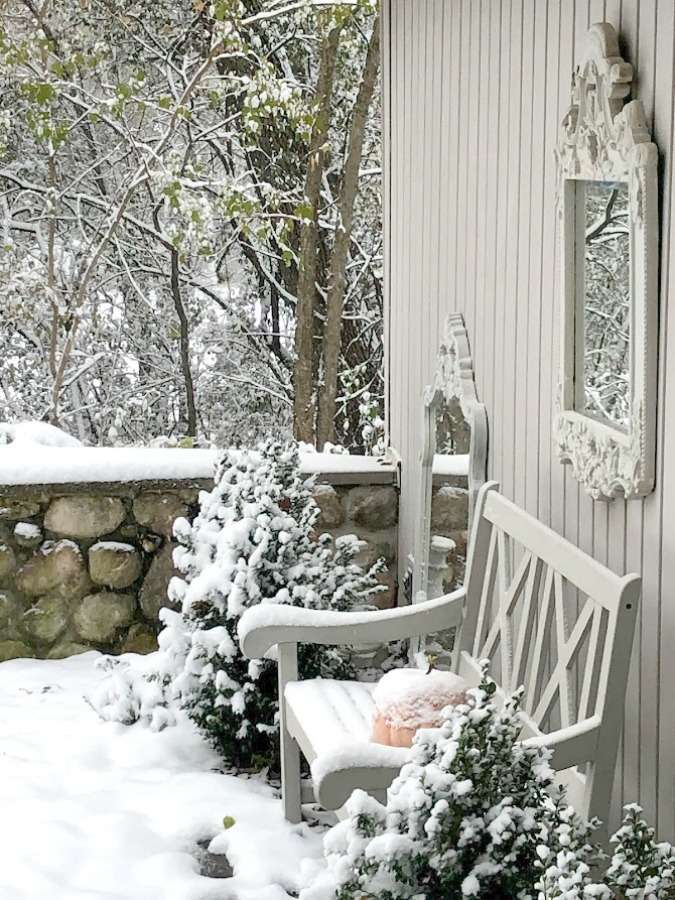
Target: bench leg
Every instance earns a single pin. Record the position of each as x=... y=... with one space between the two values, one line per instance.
x=290 y=752
x=290 y=778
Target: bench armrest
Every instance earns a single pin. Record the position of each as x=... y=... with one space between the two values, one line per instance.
x=263 y=626
x=572 y=745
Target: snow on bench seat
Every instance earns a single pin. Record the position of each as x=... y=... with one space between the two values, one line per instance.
x=334 y=710
x=332 y=722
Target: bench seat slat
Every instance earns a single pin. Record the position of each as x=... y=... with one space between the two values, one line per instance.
x=332 y=723
x=333 y=712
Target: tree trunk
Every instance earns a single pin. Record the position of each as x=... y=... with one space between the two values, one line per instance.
x=184 y=346
x=332 y=332
x=304 y=369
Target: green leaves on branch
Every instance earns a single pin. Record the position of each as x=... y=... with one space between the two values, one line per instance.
x=40 y=93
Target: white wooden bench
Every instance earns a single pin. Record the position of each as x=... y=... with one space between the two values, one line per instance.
x=544 y=613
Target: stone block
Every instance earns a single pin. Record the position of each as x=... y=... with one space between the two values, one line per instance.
x=190 y=495
x=374 y=547
x=15 y=650
x=47 y=620
x=449 y=510
x=461 y=539
x=153 y=594
x=372 y=506
x=84 y=517
x=128 y=531
x=158 y=512
x=7 y=560
x=56 y=568
x=328 y=500
x=11 y=611
x=99 y=616
x=141 y=639
x=15 y=510
x=113 y=564
x=27 y=535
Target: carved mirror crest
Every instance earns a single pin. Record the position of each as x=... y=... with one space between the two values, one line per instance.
x=605 y=417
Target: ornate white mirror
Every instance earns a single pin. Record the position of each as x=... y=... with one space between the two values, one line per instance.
x=605 y=418
x=453 y=468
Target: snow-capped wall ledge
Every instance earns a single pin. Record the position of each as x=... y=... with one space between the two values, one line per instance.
x=27 y=464
x=332 y=468
x=26 y=461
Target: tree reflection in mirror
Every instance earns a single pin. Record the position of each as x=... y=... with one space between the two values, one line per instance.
x=449 y=513
x=602 y=358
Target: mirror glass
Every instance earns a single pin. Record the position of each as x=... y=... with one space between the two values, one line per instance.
x=450 y=489
x=447 y=524
x=453 y=432
x=602 y=364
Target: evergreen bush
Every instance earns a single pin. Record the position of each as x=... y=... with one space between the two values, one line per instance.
x=253 y=541
x=638 y=869
x=463 y=819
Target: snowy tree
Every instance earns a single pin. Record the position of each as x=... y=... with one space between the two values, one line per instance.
x=252 y=542
x=605 y=366
x=153 y=169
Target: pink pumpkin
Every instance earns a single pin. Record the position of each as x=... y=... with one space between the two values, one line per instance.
x=409 y=699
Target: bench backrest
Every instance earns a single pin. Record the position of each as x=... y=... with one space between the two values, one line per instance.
x=550 y=617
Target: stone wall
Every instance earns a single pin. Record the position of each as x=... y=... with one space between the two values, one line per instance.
x=88 y=566
x=371 y=513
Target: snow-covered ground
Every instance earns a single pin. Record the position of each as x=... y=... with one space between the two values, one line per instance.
x=96 y=810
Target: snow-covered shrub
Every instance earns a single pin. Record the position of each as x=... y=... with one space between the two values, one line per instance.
x=464 y=819
x=253 y=541
x=639 y=868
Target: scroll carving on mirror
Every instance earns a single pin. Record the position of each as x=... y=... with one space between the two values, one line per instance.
x=605 y=418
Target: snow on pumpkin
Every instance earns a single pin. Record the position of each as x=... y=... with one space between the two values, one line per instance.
x=409 y=699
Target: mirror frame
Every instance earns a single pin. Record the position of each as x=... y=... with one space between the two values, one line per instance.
x=453 y=379
x=603 y=139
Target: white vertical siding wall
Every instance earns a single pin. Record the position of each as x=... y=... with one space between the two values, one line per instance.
x=474 y=93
